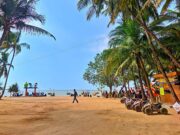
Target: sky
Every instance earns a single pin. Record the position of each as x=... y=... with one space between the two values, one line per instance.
x=60 y=64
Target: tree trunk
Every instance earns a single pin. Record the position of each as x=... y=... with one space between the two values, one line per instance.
x=125 y=87
x=4 y=88
x=127 y=92
x=110 y=90
x=134 y=79
x=122 y=88
x=135 y=85
x=140 y=79
x=142 y=23
x=146 y=78
x=163 y=47
x=160 y=66
x=150 y=35
x=128 y=85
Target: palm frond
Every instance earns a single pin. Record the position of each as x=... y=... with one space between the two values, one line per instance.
x=33 y=29
x=121 y=66
x=91 y=12
x=83 y=3
x=165 y=6
x=19 y=47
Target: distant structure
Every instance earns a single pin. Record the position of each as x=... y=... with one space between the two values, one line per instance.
x=29 y=86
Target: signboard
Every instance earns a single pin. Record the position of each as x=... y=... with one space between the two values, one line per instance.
x=162 y=91
x=164 y=81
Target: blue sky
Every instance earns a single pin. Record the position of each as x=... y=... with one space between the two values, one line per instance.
x=60 y=64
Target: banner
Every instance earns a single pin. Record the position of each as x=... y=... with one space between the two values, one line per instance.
x=162 y=91
x=176 y=107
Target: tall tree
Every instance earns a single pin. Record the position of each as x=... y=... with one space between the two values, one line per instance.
x=15 y=14
x=4 y=64
x=137 y=9
x=130 y=43
x=14 y=88
x=12 y=43
x=97 y=72
x=142 y=11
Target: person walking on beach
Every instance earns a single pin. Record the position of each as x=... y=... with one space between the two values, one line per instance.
x=75 y=96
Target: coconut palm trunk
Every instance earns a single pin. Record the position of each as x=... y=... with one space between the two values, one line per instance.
x=150 y=35
x=6 y=80
x=110 y=88
x=146 y=77
x=135 y=85
x=128 y=85
x=142 y=23
x=122 y=87
x=153 y=36
x=134 y=79
x=125 y=87
x=140 y=79
x=160 y=66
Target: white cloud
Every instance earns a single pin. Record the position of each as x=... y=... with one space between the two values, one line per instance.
x=99 y=44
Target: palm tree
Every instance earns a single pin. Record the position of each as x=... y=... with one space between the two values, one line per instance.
x=133 y=8
x=126 y=8
x=14 y=88
x=169 y=33
x=4 y=67
x=15 y=14
x=129 y=42
x=12 y=43
x=4 y=64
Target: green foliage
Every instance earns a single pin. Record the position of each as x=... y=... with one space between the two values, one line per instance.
x=12 y=42
x=167 y=27
x=128 y=39
x=142 y=12
x=15 y=13
x=4 y=64
x=9 y=46
x=140 y=40
x=97 y=72
x=15 y=16
x=14 y=88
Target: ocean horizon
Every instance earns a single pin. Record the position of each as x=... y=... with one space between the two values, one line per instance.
x=57 y=92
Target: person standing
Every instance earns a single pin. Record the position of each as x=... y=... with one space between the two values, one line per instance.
x=26 y=88
x=35 y=88
x=75 y=96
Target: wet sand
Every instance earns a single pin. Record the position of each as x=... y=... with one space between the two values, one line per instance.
x=92 y=116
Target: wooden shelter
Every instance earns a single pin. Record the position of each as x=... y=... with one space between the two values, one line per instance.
x=166 y=96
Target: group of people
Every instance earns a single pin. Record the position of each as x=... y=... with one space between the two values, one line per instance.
x=86 y=94
x=133 y=93
x=137 y=93
x=38 y=94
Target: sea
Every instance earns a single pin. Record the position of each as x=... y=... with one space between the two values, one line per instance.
x=57 y=92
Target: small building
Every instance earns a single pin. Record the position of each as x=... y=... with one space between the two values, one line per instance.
x=174 y=78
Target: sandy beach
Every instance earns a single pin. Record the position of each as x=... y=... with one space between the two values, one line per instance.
x=92 y=116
